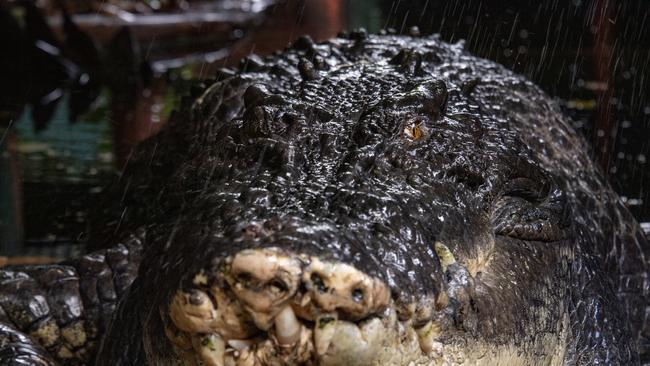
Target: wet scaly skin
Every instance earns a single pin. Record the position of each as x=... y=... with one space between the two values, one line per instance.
x=376 y=200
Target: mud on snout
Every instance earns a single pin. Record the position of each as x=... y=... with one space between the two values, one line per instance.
x=274 y=307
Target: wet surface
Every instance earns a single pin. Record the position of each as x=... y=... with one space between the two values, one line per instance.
x=441 y=174
x=424 y=169
x=562 y=54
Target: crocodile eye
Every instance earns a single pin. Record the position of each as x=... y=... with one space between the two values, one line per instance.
x=528 y=209
x=413 y=131
x=531 y=190
x=357 y=295
x=414 y=128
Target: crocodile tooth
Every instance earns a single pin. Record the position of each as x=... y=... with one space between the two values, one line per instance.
x=425 y=337
x=324 y=332
x=240 y=344
x=287 y=326
x=445 y=255
x=359 y=342
x=210 y=349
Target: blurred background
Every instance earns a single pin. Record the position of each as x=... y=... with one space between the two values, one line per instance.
x=82 y=82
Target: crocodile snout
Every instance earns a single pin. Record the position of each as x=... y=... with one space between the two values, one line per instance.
x=271 y=306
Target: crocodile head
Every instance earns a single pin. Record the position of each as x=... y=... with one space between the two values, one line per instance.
x=378 y=201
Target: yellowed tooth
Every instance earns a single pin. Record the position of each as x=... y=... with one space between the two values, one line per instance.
x=355 y=344
x=445 y=255
x=230 y=360
x=246 y=358
x=305 y=300
x=240 y=344
x=287 y=327
x=426 y=335
x=324 y=331
x=210 y=349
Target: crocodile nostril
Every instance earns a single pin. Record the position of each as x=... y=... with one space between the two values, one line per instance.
x=244 y=279
x=280 y=308
x=277 y=286
x=357 y=295
x=318 y=282
x=197 y=297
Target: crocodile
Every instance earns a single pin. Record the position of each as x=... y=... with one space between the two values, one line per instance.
x=367 y=200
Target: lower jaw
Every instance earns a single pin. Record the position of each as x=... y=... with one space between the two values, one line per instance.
x=375 y=341
x=400 y=347
x=293 y=335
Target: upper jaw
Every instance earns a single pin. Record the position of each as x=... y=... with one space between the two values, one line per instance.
x=272 y=306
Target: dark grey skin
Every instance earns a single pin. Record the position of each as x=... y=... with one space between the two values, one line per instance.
x=459 y=211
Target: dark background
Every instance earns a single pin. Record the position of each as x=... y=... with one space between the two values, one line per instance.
x=594 y=56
